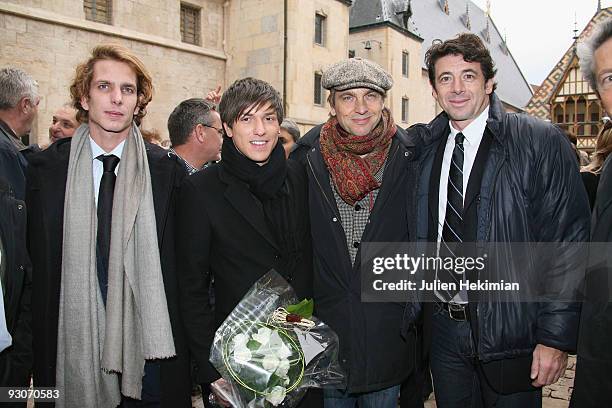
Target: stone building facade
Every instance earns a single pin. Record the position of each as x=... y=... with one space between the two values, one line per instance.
x=191 y=46
x=49 y=38
x=267 y=39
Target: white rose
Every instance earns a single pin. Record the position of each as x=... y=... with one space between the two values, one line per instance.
x=262 y=336
x=270 y=363
x=283 y=351
x=276 y=395
x=283 y=368
x=242 y=355
x=240 y=340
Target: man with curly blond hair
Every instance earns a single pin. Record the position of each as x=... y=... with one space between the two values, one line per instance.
x=107 y=329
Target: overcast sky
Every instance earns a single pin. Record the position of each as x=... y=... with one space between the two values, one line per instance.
x=539 y=32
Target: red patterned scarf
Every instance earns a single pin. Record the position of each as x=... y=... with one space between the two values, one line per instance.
x=353 y=175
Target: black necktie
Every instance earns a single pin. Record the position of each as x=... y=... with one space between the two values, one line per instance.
x=105 y=215
x=453 y=222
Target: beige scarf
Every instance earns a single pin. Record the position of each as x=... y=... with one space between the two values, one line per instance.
x=94 y=345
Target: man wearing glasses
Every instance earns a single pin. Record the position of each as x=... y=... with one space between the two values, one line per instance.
x=196 y=135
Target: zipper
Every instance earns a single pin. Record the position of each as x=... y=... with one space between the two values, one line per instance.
x=334 y=210
x=497 y=170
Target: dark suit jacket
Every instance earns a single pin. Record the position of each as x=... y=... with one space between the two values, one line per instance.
x=46 y=185
x=221 y=231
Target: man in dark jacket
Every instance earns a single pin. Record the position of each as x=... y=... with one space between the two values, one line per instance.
x=594 y=364
x=491 y=176
x=18 y=107
x=196 y=135
x=238 y=219
x=101 y=243
x=361 y=172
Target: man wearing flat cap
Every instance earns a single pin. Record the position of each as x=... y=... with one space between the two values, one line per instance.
x=361 y=167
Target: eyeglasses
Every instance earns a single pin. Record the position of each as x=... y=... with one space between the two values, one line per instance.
x=219 y=131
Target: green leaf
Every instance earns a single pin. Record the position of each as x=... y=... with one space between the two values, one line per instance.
x=253 y=345
x=303 y=309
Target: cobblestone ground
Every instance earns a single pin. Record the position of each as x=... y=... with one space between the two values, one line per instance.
x=554 y=396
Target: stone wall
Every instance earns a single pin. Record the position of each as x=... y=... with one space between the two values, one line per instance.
x=49 y=45
x=305 y=58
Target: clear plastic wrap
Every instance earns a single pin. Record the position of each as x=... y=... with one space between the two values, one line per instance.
x=269 y=357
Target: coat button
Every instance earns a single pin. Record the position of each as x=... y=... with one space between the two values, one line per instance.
x=357 y=207
x=334 y=219
x=408 y=154
x=276 y=256
x=20 y=206
x=21 y=268
x=355 y=244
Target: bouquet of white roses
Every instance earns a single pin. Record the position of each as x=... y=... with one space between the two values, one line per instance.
x=270 y=349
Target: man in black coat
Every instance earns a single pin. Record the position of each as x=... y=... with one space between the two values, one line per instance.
x=239 y=218
x=18 y=108
x=594 y=363
x=362 y=173
x=491 y=176
x=111 y=91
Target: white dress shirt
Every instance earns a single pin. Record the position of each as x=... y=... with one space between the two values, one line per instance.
x=473 y=136
x=98 y=167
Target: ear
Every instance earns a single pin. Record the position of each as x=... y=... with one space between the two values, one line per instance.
x=198 y=132
x=434 y=93
x=489 y=86
x=24 y=104
x=85 y=103
x=332 y=111
x=228 y=130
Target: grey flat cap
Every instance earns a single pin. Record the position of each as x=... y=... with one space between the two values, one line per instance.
x=357 y=73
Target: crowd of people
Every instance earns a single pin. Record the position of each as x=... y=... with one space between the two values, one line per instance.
x=119 y=258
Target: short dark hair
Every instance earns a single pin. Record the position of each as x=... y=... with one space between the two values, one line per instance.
x=469 y=46
x=586 y=51
x=186 y=116
x=248 y=93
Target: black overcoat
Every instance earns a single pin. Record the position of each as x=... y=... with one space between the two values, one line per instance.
x=45 y=191
x=222 y=232
x=373 y=350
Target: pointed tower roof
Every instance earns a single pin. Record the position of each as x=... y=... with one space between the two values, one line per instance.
x=539 y=104
x=428 y=23
x=465 y=18
x=444 y=6
x=486 y=33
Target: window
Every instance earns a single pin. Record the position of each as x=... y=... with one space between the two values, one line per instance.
x=190 y=24
x=98 y=10
x=405 y=110
x=319 y=37
x=318 y=90
x=405 y=63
